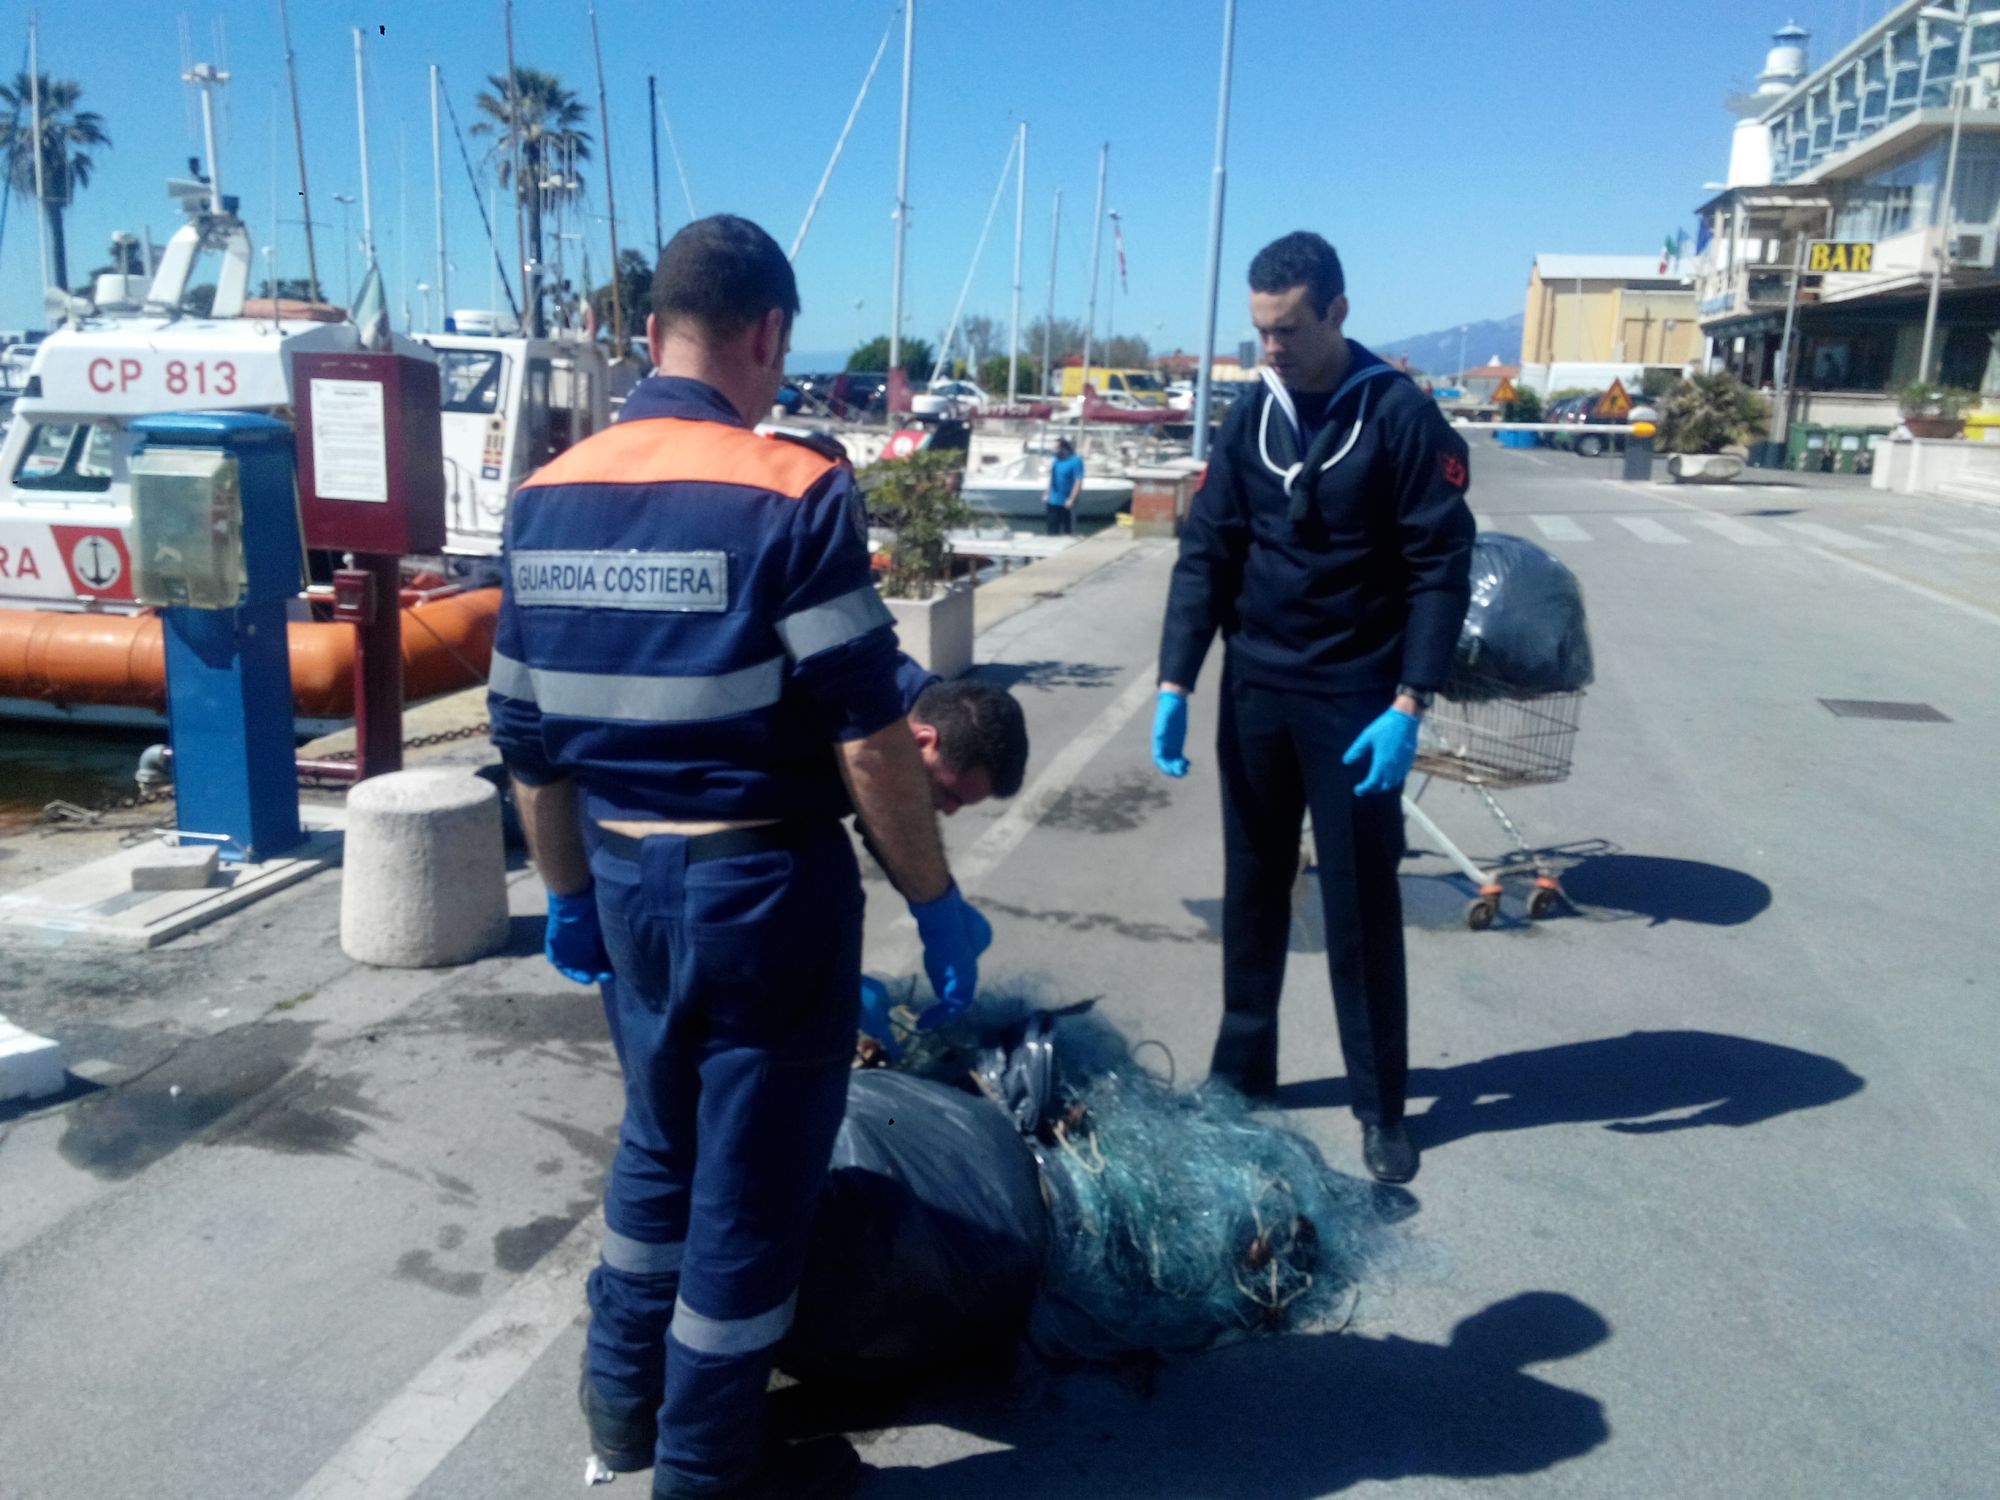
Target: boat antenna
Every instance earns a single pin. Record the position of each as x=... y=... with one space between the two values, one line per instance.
x=361 y=121
x=1217 y=181
x=1049 y=318
x=437 y=187
x=35 y=135
x=680 y=167
x=299 y=140
x=610 y=197
x=479 y=201
x=841 y=144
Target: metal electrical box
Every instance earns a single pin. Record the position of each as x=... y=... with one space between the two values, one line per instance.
x=371 y=452
x=187 y=528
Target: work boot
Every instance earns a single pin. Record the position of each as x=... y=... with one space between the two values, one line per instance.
x=623 y=1439
x=1389 y=1152
x=825 y=1468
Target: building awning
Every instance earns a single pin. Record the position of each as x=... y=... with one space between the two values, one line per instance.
x=1753 y=326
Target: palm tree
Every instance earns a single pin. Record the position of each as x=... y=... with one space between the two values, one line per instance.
x=541 y=117
x=64 y=168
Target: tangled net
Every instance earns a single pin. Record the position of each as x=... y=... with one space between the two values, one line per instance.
x=1177 y=1219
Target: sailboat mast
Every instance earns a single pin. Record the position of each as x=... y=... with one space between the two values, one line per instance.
x=653 y=117
x=531 y=276
x=299 y=141
x=1215 y=196
x=1020 y=222
x=361 y=118
x=902 y=193
x=437 y=180
x=610 y=197
x=1049 y=318
x=1096 y=245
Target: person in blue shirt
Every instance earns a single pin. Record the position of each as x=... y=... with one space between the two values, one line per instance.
x=693 y=681
x=1065 y=487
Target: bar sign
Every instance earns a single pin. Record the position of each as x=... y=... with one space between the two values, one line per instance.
x=1823 y=256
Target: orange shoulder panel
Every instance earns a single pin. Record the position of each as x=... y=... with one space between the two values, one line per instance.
x=667 y=450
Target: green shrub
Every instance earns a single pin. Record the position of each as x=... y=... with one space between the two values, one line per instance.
x=917 y=498
x=1707 y=413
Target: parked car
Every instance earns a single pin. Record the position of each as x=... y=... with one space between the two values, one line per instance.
x=858 y=394
x=1576 y=412
x=948 y=398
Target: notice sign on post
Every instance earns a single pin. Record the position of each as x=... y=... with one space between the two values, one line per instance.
x=349 y=438
x=1839 y=256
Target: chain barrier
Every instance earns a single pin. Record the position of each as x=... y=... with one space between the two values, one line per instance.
x=60 y=816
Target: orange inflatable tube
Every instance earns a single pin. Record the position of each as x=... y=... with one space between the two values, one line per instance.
x=121 y=659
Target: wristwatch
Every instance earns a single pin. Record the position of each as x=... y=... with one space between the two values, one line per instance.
x=1422 y=695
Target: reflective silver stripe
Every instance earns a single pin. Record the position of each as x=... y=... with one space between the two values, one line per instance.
x=833 y=623
x=707 y=1335
x=623 y=1253
x=510 y=679
x=652 y=700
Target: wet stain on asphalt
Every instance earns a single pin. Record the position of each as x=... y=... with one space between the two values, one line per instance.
x=307 y=1114
x=420 y=1267
x=518 y=1248
x=513 y=1021
x=451 y=1236
x=127 y=1129
x=453 y=1184
x=596 y=1147
x=1118 y=808
x=548 y=1166
x=1103 y=922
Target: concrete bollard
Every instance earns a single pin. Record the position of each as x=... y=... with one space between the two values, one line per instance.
x=425 y=878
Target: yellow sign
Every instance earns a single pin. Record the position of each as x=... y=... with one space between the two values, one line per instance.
x=1613 y=404
x=1823 y=256
x=1505 y=393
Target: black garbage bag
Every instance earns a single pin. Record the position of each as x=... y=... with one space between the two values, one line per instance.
x=929 y=1243
x=1525 y=633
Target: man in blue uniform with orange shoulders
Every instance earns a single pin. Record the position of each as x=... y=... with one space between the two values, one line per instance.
x=693 y=680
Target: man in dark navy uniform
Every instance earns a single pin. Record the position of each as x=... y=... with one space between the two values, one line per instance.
x=693 y=681
x=1330 y=544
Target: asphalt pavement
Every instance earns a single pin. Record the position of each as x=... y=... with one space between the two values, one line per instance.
x=1709 y=1193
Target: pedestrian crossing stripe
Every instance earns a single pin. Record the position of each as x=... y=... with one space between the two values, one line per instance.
x=1963 y=542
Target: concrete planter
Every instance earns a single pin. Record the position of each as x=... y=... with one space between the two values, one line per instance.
x=937 y=632
x=1704 y=468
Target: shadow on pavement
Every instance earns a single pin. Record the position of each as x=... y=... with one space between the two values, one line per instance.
x=1623 y=1082
x=1045 y=676
x=1665 y=890
x=1280 y=1419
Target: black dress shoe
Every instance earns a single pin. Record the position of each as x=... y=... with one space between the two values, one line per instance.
x=826 y=1468
x=623 y=1440
x=1389 y=1152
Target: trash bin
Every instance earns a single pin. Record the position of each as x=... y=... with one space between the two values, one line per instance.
x=1852 y=449
x=1982 y=426
x=1806 y=447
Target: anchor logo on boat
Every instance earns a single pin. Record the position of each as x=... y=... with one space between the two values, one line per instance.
x=96 y=562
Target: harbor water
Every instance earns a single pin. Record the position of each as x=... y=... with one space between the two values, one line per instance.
x=44 y=763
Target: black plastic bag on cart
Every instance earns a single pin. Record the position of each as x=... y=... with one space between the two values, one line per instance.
x=929 y=1241
x=1525 y=634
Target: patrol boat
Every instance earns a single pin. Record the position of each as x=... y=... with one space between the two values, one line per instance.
x=74 y=644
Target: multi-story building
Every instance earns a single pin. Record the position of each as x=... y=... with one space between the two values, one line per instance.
x=1856 y=153
x=1593 y=318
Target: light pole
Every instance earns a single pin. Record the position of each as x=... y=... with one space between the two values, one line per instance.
x=1941 y=207
x=1463 y=330
x=346 y=202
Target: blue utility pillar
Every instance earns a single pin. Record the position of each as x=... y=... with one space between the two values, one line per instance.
x=201 y=477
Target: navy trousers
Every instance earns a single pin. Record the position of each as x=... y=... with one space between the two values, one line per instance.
x=733 y=1013
x=1279 y=752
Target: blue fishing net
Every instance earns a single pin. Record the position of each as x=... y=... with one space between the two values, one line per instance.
x=1177 y=1219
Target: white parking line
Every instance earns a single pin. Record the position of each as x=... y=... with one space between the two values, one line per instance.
x=1560 y=529
x=405 y=1441
x=1828 y=536
x=1943 y=545
x=1731 y=529
x=1647 y=530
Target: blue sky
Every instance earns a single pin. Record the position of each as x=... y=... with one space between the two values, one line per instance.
x=1440 y=146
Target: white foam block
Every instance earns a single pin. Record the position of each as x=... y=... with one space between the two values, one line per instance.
x=31 y=1067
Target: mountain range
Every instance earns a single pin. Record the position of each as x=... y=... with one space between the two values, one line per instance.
x=1438 y=353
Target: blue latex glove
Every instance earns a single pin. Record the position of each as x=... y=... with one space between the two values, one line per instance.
x=875 y=1020
x=954 y=935
x=1170 y=733
x=1390 y=744
x=574 y=942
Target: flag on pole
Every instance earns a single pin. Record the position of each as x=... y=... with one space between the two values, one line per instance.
x=370 y=314
x=1671 y=250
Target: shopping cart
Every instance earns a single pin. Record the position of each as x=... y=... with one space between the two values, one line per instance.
x=1496 y=745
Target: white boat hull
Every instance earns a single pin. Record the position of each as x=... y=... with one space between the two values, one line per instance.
x=1027 y=498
